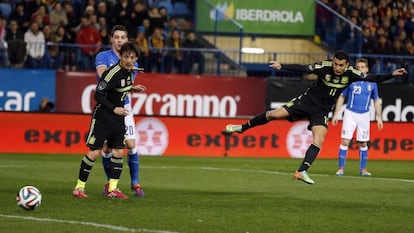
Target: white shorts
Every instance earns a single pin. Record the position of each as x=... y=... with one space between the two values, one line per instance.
x=358 y=121
x=129 y=122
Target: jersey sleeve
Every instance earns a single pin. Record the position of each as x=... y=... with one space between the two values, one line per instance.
x=102 y=89
x=100 y=60
x=375 y=94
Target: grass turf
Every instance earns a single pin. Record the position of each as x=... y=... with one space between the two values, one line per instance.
x=208 y=195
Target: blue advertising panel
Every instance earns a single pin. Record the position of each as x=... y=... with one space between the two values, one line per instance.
x=23 y=89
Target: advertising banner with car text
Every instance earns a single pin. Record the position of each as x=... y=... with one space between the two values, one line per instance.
x=182 y=136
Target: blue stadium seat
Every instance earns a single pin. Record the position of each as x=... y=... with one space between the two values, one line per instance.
x=168 y=5
x=181 y=9
x=5 y=10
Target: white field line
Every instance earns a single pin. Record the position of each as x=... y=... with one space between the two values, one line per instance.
x=276 y=173
x=92 y=224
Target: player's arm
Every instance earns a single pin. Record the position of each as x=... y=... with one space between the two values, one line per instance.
x=378 y=112
x=100 y=70
x=338 y=108
x=290 y=67
x=101 y=90
x=401 y=72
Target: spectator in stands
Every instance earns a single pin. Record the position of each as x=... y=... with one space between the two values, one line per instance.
x=35 y=45
x=22 y=18
x=16 y=47
x=90 y=41
x=141 y=42
x=147 y=26
x=155 y=19
x=68 y=53
x=41 y=16
x=156 y=43
x=4 y=60
x=174 y=57
x=138 y=15
x=164 y=16
x=105 y=38
x=57 y=17
x=122 y=11
x=71 y=14
x=193 y=56
x=103 y=12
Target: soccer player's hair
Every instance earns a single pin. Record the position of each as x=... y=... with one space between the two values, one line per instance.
x=118 y=27
x=341 y=55
x=129 y=48
x=363 y=60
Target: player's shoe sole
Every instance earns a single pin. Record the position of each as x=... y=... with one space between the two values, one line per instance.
x=233 y=129
x=79 y=193
x=303 y=176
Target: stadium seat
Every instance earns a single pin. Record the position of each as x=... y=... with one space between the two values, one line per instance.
x=168 y=5
x=181 y=9
x=5 y=10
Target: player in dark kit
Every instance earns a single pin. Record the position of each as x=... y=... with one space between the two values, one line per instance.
x=108 y=120
x=315 y=103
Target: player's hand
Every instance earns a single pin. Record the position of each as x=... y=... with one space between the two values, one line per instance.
x=335 y=120
x=380 y=124
x=399 y=72
x=121 y=111
x=140 y=70
x=138 y=88
x=275 y=65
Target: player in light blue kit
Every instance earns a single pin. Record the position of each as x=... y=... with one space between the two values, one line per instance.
x=356 y=116
x=104 y=60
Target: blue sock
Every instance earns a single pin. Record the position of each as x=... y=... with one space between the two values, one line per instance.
x=343 y=151
x=106 y=162
x=363 y=157
x=133 y=163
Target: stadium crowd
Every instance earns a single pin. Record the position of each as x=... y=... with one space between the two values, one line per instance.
x=387 y=28
x=53 y=30
x=67 y=34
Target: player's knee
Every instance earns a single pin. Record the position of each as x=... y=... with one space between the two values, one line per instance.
x=130 y=144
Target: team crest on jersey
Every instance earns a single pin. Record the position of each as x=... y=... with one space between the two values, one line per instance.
x=122 y=82
x=328 y=77
x=310 y=68
x=369 y=87
x=344 y=80
x=102 y=85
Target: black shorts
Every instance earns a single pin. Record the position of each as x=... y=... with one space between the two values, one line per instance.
x=106 y=128
x=304 y=108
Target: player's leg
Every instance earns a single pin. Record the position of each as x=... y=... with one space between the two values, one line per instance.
x=106 y=159
x=319 y=132
x=349 y=124
x=260 y=119
x=95 y=141
x=363 y=133
x=85 y=169
x=116 y=171
x=133 y=157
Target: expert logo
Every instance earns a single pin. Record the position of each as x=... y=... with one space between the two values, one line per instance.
x=298 y=139
x=152 y=136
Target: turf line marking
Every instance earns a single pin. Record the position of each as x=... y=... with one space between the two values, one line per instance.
x=98 y=225
x=278 y=173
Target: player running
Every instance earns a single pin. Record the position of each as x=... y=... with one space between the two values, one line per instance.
x=333 y=76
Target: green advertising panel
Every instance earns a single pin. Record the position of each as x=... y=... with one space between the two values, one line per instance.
x=270 y=17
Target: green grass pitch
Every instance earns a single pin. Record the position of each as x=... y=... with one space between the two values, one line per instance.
x=208 y=195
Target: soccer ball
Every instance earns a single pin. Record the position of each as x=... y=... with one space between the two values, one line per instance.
x=29 y=197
